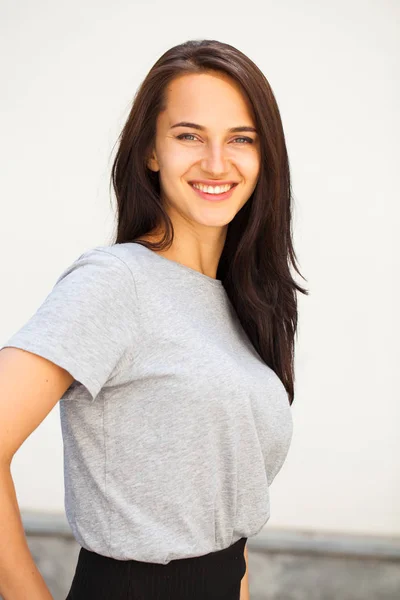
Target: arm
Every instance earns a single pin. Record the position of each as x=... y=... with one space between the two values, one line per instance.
x=30 y=387
x=19 y=576
x=244 y=588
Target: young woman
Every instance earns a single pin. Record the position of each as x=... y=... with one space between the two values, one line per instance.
x=171 y=349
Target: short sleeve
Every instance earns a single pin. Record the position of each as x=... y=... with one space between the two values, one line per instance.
x=87 y=323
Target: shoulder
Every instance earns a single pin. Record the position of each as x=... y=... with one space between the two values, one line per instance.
x=114 y=269
x=126 y=256
x=114 y=256
x=120 y=265
x=133 y=257
x=105 y=267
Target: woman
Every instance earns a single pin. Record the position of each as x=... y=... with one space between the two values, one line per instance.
x=171 y=350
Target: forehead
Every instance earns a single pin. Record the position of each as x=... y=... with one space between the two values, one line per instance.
x=208 y=99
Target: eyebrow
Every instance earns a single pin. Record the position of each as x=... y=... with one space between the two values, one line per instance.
x=201 y=128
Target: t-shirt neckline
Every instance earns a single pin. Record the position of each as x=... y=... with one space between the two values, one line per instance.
x=200 y=276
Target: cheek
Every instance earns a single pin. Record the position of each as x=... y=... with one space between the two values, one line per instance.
x=175 y=159
x=173 y=167
x=249 y=165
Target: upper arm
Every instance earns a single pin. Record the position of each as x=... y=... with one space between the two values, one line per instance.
x=87 y=324
x=30 y=386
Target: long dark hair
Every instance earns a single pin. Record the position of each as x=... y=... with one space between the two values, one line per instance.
x=255 y=263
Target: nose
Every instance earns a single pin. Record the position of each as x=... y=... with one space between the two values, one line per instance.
x=214 y=160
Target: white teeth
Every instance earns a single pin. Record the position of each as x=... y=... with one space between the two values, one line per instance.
x=219 y=189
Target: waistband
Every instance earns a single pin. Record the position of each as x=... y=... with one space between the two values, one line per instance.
x=211 y=559
x=216 y=575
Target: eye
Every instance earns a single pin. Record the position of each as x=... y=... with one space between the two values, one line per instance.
x=185 y=135
x=246 y=139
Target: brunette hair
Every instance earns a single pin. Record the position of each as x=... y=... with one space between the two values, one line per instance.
x=255 y=263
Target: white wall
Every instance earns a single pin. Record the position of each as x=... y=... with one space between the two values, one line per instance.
x=69 y=74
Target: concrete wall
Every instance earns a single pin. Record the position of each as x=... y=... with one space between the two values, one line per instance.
x=69 y=74
x=308 y=572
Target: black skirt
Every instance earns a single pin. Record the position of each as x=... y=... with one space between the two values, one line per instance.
x=213 y=576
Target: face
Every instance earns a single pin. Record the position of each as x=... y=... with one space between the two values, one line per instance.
x=206 y=150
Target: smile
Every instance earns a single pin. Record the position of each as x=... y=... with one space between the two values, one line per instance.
x=213 y=193
x=209 y=189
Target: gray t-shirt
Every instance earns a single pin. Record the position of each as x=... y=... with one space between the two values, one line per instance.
x=174 y=428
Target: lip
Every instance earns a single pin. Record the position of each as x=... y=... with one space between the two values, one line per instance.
x=213 y=197
x=212 y=182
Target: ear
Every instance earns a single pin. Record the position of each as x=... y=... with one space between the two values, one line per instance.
x=152 y=162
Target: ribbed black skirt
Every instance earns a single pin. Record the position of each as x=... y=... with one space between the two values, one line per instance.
x=213 y=576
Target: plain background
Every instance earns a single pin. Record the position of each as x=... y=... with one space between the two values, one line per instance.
x=69 y=74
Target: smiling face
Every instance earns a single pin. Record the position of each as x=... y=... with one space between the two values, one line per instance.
x=205 y=149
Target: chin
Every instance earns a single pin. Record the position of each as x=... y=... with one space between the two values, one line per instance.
x=221 y=222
